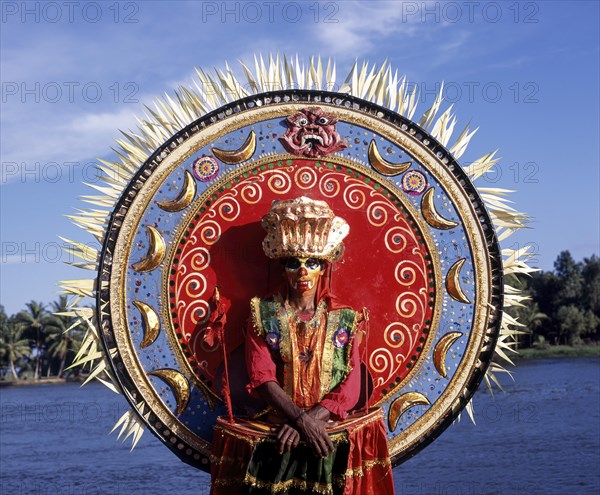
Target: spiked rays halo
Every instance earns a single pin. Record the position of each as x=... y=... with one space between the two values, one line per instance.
x=380 y=85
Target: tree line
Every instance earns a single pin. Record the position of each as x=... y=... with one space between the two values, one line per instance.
x=564 y=308
x=564 y=305
x=39 y=342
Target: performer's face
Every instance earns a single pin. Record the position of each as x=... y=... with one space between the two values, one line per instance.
x=302 y=274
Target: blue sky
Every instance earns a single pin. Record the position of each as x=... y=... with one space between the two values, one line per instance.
x=73 y=73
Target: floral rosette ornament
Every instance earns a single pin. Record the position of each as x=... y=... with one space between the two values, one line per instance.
x=179 y=224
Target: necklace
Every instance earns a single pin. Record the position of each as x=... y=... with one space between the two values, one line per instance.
x=301 y=324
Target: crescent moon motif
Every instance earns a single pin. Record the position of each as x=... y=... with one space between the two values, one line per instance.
x=403 y=404
x=453 y=282
x=156 y=252
x=151 y=323
x=382 y=165
x=179 y=385
x=441 y=349
x=431 y=215
x=184 y=198
x=233 y=157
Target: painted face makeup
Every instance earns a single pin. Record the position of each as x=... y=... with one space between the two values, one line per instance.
x=302 y=273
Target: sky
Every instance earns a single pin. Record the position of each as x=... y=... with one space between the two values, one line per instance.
x=73 y=73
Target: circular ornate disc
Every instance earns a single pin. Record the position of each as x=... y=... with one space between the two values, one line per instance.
x=421 y=256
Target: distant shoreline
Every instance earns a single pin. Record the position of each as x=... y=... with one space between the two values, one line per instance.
x=530 y=353
x=557 y=351
x=41 y=381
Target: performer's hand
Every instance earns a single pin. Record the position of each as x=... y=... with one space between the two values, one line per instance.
x=287 y=438
x=313 y=431
x=319 y=412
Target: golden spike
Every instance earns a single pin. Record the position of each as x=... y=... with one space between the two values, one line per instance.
x=427 y=118
x=461 y=143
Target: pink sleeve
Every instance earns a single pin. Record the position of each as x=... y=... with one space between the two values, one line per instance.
x=345 y=396
x=261 y=368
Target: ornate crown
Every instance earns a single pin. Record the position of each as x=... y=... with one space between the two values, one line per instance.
x=303 y=227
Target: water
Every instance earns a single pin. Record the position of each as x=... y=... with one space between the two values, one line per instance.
x=541 y=437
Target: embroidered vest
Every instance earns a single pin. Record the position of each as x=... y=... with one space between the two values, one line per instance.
x=271 y=322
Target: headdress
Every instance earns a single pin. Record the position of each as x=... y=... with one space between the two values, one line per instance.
x=303 y=227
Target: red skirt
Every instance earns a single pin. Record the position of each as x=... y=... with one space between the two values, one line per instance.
x=245 y=460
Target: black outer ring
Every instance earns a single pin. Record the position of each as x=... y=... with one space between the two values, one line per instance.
x=272 y=98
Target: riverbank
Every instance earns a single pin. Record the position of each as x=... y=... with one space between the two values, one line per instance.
x=41 y=381
x=558 y=351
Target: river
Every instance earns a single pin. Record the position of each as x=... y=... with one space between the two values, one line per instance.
x=541 y=437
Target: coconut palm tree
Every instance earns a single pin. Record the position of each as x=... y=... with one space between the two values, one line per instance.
x=13 y=346
x=34 y=320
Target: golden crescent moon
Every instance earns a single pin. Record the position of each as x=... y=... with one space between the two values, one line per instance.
x=453 y=282
x=403 y=404
x=431 y=215
x=185 y=196
x=151 y=323
x=156 y=252
x=441 y=349
x=240 y=155
x=179 y=385
x=382 y=165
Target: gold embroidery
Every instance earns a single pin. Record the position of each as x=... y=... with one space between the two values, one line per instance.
x=255 y=313
x=366 y=466
x=285 y=348
x=307 y=352
x=217 y=461
x=333 y=322
x=351 y=343
x=322 y=488
x=249 y=440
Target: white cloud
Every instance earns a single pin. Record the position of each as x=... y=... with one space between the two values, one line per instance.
x=361 y=25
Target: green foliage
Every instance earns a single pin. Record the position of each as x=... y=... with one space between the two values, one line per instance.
x=36 y=342
x=565 y=304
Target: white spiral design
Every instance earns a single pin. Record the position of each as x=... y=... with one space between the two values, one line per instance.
x=329 y=186
x=407 y=304
x=305 y=178
x=396 y=239
x=228 y=208
x=194 y=313
x=251 y=193
x=279 y=183
x=377 y=214
x=199 y=259
x=354 y=197
x=395 y=334
x=210 y=231
x=192 y=285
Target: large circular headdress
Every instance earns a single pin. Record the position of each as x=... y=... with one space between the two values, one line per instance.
x=181 y=215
